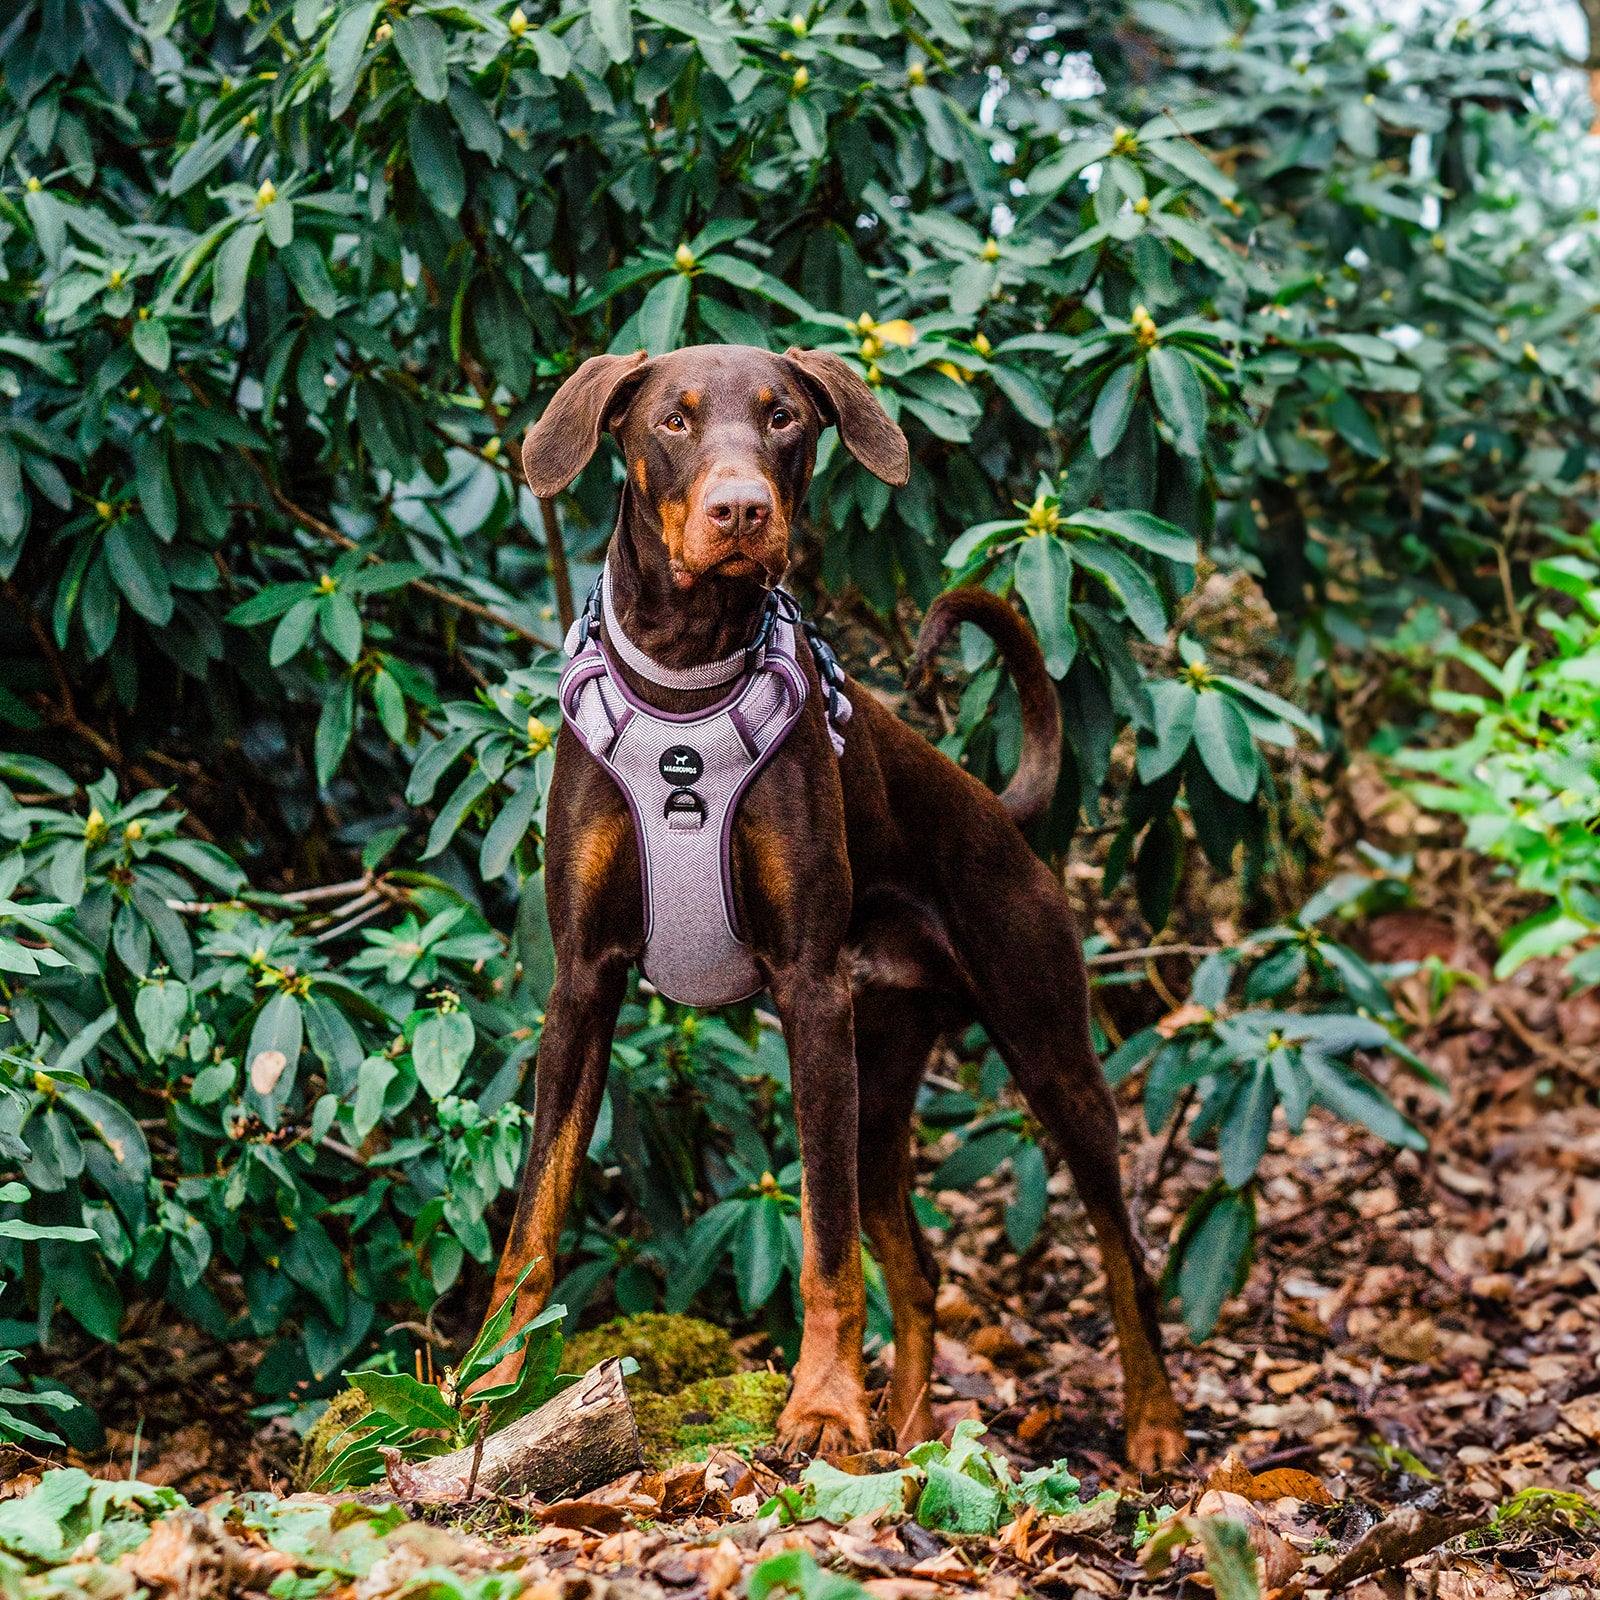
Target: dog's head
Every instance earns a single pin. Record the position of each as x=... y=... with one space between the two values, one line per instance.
x=719 y=442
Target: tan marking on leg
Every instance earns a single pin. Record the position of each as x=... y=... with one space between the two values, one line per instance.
x=770 y=860
x=1151 y=1419
x=911 y=1298
x=594 y=852
x=536 y=1244
x=827 y=1412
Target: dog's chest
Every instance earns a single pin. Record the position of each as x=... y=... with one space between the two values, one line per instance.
x=683 y=778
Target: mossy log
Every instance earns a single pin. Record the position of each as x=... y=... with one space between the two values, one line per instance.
x=584 y=1437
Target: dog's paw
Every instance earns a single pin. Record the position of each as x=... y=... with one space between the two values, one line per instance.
x=830 y=1431
x=1156 y=1443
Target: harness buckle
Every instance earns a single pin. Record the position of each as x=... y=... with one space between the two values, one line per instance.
x=755 y=653
x=685 y=811
x=590 y=619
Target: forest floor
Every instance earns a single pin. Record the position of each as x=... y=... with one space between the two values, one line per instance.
x=1404 y=1399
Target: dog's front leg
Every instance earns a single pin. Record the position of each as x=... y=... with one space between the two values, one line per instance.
x=574 y=1052
x=827 y=1411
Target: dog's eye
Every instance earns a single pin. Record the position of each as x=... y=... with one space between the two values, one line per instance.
x=675 y=423
x=782 y=418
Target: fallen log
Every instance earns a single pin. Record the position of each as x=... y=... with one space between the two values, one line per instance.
x=584 y=1437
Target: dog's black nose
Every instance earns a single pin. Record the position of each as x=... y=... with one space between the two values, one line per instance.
x=739 y=505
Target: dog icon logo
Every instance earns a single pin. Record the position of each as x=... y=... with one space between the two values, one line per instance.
x=681 y=765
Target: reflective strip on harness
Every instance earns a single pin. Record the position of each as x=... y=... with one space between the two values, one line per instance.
x=683 y=777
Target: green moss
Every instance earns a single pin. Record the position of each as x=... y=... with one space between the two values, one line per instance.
x=740 y=1409
x=672 y=1352
x=346 y=1407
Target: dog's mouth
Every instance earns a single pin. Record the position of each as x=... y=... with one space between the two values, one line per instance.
x=737 y=564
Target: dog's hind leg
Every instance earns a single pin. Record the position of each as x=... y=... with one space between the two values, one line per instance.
x=895 y=1031
x=1037 y=1014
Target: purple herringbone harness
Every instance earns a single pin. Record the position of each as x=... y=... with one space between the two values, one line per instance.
x=684 y=775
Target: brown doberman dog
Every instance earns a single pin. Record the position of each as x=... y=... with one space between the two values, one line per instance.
x=887 y=895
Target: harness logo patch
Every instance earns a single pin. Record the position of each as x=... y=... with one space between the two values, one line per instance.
x=680 y=765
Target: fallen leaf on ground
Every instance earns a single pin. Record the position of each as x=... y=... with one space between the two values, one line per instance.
x=1402 y=1535
x=1231 y=1476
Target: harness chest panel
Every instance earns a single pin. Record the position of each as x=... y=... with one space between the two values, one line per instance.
x=683 y=778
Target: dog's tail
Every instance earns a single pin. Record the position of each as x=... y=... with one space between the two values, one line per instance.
x=1033 y=785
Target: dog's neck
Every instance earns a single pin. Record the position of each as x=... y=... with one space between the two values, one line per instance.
x=678 y=628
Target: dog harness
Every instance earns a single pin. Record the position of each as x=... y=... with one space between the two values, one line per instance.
x=684 y=775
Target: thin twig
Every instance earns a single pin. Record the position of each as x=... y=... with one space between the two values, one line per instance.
x=315 y=524
x=322 y=891
x=339 y=912
x=331 y=891
x=559 y=575
x=1116 y=958
x=340 y=1149
x=352 y=923
x=325 y=530
x=432 y=1335
x=1153 y=978
x=1152 y=1187
x=1537 y=1046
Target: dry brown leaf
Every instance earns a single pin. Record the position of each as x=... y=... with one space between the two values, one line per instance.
x=597 y=1516
x=1282 y=1383
x=1402 y=1535
x=871 y=1556
x=1583 y=1416
x=1186 y=1014
x=722 y=1569
x=947 y=1567
x=1071 y=1573
x=1095 y=1517
x=1231 y=1476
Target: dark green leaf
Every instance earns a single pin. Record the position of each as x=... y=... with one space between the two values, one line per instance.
x=1224 y=743
x=1113 y=407
x=435 y=159
x=421 y=43
x=1044 y=580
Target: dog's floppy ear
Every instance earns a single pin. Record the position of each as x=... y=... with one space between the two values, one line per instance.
x=558 y=446
x=851 y=406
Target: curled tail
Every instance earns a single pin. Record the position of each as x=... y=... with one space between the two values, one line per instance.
x=1033 y=785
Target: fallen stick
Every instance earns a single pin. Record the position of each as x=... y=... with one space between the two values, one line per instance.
x=584 y=1437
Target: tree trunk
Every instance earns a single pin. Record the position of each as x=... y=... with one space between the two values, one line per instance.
x=583 y=1438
